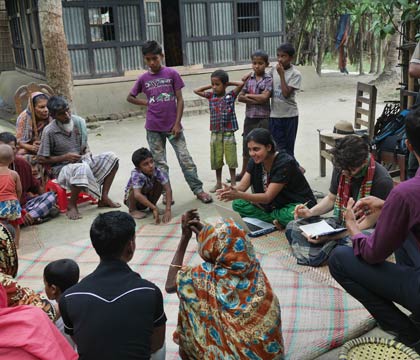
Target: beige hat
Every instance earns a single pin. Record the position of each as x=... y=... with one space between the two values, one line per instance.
x=343 y=127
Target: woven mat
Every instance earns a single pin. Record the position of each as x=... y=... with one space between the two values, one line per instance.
x=316 y=316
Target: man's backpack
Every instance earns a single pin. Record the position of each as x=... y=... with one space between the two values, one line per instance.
x=391 y=137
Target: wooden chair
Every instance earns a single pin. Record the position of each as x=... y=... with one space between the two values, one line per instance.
x=364 y=116
x=23 y=93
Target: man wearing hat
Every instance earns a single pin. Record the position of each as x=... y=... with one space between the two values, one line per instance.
x=356 y=174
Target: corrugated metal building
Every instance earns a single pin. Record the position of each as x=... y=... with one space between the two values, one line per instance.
x=105 y=36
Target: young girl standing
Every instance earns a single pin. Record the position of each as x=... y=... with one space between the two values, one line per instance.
x=10 y=191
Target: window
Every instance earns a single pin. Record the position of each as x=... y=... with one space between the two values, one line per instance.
x=101 y=23
x=248 y=17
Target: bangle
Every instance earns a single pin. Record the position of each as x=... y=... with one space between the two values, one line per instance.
x=176 y=266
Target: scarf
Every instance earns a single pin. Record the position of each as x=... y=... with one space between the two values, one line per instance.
x=26 y=333
x=343 y=193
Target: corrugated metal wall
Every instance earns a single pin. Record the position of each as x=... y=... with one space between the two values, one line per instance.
x=209 y=32
x=128 y=21
x=259 y=24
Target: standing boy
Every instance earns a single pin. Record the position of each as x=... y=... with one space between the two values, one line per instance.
x=165 y=105
x=223 y=123
x=145 y=186
x=255 y=94
x=284 y=114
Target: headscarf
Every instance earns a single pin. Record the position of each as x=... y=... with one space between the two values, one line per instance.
x=26 y=333
x=227 y=306
x=24 y=130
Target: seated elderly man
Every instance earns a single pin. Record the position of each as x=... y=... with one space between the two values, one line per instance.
x=356 y=174
x=64 y=147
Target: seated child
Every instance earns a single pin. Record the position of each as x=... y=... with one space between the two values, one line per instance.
x=60 y=275
x=223 y=123
x=10 y=191
x=145 y=186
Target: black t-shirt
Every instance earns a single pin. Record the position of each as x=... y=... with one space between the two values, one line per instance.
x=111 y=313
x=382 y=183
x=284 y=170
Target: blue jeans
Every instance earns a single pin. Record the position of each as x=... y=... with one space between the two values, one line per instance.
x=157 y=145
x=378 y=286
x=284 y=131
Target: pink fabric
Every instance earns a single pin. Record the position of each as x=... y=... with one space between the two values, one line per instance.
x=27 y=333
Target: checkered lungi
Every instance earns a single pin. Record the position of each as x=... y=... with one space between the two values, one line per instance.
x=308 y=253
x=88 y=174
x=40 y=206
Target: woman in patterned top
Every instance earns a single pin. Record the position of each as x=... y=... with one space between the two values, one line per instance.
x=28 y=138
x=227 y=307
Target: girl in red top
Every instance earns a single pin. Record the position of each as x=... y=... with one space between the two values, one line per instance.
x=10 y=191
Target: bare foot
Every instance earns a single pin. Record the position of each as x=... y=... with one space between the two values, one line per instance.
x=136 y=214
x=215 y=188
x=107 y=202
x=278 y=226
x=73 y=214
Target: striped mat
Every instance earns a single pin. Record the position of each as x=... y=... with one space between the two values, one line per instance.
x=316 y=316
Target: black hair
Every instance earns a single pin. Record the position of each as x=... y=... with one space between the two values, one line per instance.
x=140 y=155
x=222 y=75
x=56 y=103
x=39 y=97
x=287 y=48
x=350 y=152
x=412 y=126
x=263 y=137
x=7 y=137
x=260 y=53
x=111 y=232
x=151 y=47
x=62 y=273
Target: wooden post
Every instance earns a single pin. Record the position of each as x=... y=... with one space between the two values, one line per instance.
x=56 y=54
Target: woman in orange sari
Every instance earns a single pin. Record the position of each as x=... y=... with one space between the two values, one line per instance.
x=227 y=308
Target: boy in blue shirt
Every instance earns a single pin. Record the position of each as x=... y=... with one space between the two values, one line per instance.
x=223 y=123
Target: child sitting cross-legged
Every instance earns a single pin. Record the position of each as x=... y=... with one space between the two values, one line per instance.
x=59 y=275
x=145 y=186
x=223 y=123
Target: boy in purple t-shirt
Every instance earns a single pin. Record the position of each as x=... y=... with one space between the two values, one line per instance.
x=165 y=105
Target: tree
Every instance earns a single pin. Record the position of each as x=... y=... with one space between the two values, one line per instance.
x=56 y=54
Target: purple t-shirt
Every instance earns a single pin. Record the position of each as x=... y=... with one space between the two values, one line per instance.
x=160 y=90
x=399 y=216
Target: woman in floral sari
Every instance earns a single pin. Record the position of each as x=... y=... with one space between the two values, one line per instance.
x=28 y=139
x=227 y=308
x=16 y=293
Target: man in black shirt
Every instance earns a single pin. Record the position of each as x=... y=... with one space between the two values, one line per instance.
x=113 y=313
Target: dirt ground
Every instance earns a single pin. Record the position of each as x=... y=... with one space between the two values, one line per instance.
x=322 y=102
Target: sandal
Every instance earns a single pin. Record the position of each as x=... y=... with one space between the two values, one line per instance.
x=204 y=197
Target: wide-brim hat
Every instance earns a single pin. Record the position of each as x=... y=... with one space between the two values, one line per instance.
x=343 y=127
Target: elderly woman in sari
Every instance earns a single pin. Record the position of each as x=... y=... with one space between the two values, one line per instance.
x=28 y=138
x=227 y=308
